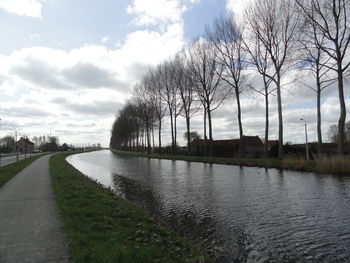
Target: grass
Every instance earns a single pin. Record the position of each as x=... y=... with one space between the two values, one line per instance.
x=101 y=227
x=333 y=165
x=338 y=165
x=260 y=162
x=10 y=170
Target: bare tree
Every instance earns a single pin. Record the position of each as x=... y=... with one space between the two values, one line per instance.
x=316 y=61
x=226 y=38
x=186 y=88
x=259 y=58
x=207 y=73
x=276 y=24
x=333 y=132
x=168 y=94
x=143 y=97
x=178 y=103
x=330 y=19
x=153 y=83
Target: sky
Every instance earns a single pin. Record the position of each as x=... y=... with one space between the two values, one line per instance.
x=68 y=66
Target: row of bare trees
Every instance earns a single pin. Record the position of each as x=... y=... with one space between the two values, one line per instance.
x=276 y=39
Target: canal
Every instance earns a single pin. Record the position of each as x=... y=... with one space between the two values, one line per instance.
x=236 y=214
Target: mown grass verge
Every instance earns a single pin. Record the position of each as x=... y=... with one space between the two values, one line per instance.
x=10 y=170
x=338 y=165
x=101 y=227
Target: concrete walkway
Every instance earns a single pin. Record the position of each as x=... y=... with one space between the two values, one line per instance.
x=30 y=225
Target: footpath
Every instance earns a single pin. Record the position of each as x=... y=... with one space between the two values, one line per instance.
x=30 y=225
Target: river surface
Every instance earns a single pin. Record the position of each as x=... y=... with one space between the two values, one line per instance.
x=236 y=214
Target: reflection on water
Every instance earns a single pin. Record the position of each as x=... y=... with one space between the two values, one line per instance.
x=237 y=214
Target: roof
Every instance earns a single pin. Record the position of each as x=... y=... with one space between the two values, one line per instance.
x=25 y=140
x=248 y=140
x=252 y=140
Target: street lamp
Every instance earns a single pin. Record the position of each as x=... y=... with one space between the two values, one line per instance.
x=306 y=143
x=0 y=146
x=16 y=130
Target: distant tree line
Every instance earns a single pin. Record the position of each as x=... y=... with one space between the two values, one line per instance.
x=277 y=38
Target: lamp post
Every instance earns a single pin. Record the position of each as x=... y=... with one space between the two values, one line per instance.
x=306 y=142
x=17 y=157
x=0 y=146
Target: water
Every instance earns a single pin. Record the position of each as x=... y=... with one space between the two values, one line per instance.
x=236 y=214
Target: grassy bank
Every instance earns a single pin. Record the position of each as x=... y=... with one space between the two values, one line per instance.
x=10 y=170
x=339 y=165
x=102 y=227
x=260 y=162
x=256 y=162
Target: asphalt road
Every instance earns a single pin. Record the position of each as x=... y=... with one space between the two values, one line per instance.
x=5 y=160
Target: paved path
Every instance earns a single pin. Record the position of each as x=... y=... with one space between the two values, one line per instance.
x=30 y=225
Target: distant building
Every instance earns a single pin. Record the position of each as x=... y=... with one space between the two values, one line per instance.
x=24 y=145
x=64 y=148
x=252 y=147
x=271 y=144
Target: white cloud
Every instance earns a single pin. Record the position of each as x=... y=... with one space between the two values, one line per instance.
x=237 y=7
x=104 y=40
x=152 y=12
x=86 y=84
x=30 y=8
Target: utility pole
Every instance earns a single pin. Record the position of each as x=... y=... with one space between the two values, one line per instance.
x=306 y=142
x=0 y=146
x=17 y=156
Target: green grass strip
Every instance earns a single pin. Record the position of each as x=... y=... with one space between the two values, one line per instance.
x=10 y=170
x=101 y=227
x=256 y=162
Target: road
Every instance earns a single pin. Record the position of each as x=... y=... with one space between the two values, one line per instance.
x=5 y=160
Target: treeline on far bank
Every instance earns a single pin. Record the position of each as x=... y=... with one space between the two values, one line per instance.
x=278 y=40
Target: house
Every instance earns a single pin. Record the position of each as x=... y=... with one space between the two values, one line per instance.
x=271 y=144
x=24 y=145
x=64 y=147
x=252 y=147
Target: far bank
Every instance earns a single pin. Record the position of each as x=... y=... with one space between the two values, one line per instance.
x=336 y=165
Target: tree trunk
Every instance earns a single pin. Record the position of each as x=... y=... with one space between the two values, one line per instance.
x=210 y=148
x=205 y=131
x=160 y=134
x=210 y=125
x=188 y=134
x=239 y=116
x=319 y=129
x=152 y=137
x=280 y=118
x=266 y=146
x=142 y=144
x=172 y=133
x=148 y=139
x=175 y=134
x=341 y=123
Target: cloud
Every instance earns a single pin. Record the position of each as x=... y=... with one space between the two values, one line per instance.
x=104 y=40
x=84 y=84
x=90 y=76
x=97 y=108
x=30 y=8
x=27 y=112
x=236 y=6
x=152 y=12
